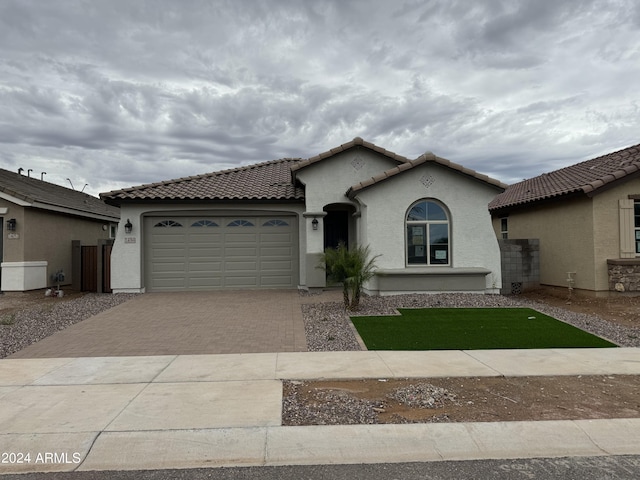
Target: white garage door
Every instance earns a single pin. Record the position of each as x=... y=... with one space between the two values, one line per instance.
x=209 y=252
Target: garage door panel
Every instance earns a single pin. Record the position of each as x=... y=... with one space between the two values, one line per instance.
x=206 y=252
x=165 y=254
x=250 y=267
x=159 y=239
x=250 y=238
x=275 y=281
x=276 y=252
x=213 y=267
x=168 y=283
x=205 y=282
x=239 y=281
x=240 y=252
x=279 y=237
x=279 y=265
x=195 y=238
x=165 y=267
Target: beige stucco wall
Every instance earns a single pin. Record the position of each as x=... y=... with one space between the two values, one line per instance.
x=13 y=248
x=48 y=235
x=44 y=236
x=576 y=235
x=607 y=227
x=565 y=231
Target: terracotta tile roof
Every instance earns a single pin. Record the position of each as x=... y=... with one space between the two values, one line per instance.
x=49 y=196
x=585 y=177
x=424 y=158
x=262 y=181
x=346 y=146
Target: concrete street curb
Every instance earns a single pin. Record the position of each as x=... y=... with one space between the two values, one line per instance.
x=192 y=411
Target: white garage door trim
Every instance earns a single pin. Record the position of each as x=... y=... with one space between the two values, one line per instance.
x=204 y=252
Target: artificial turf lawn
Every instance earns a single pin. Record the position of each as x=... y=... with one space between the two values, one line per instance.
x=471 y=329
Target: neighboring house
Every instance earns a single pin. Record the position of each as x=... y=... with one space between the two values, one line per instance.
x=38 y=222
x=587 y=220
x=267 y=225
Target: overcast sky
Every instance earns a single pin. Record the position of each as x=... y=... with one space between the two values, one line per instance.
x=115 y=93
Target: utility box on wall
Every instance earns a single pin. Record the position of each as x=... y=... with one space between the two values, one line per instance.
x=520 y=260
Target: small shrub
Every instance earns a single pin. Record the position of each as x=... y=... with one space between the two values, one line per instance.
x=352 y=267
x=8 y=319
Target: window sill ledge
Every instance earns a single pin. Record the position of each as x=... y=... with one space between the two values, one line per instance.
x=479 y=271
x=623 y=261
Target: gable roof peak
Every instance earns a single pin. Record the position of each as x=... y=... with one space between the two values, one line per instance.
x=427 y=157
x=356 y=142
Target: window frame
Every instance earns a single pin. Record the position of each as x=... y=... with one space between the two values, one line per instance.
x=636 y=226
x=504 y=227
x=427 y=232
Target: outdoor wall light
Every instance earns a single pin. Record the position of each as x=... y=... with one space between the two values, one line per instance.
x=314 y=224
x=11 y=225
x=128 y=227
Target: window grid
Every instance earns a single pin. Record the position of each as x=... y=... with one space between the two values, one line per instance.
x=204 y=223
x=427 y=225
x=240 y=223
x=168 y=223
x=275 y=223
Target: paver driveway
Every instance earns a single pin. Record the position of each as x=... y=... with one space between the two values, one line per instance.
x=183 y=323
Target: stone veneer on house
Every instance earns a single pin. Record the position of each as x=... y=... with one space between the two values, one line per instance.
x=624 y=274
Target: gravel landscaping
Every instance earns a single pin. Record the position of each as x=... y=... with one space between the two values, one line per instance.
x=21 y=328
x=328 y=327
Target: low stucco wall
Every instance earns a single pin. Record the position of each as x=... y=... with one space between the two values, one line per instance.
x=23 y=276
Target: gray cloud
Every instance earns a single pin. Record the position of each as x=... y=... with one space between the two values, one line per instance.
x=117 y=93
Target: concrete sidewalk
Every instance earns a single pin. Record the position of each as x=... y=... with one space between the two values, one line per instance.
x=188 y=411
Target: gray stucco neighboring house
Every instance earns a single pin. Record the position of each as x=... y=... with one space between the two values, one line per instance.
x=267 y=225
x=38 y=222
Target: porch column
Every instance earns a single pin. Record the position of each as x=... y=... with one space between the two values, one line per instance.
x=316 y=277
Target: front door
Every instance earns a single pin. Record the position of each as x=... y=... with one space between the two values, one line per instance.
x=336 y=228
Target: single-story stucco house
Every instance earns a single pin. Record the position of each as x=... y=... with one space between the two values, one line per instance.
x=587 y=219
x=38 y=223
x=267 y=225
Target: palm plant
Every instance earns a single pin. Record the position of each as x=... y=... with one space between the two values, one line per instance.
x=351 y=267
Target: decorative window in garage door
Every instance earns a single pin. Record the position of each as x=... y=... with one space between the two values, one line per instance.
x=205 y=223
x=240 y=223
x=168 y=223
x=275 y=223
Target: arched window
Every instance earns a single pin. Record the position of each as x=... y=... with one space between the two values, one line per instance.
x=204 y=223
x=427 y=234
x=168 y=223
x=240 y=223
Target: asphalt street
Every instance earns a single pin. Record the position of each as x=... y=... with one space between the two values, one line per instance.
x=567 y=468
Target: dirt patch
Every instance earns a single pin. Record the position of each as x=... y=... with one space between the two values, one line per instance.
x=462 y=399
x=479 y=399
x=621 y=309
